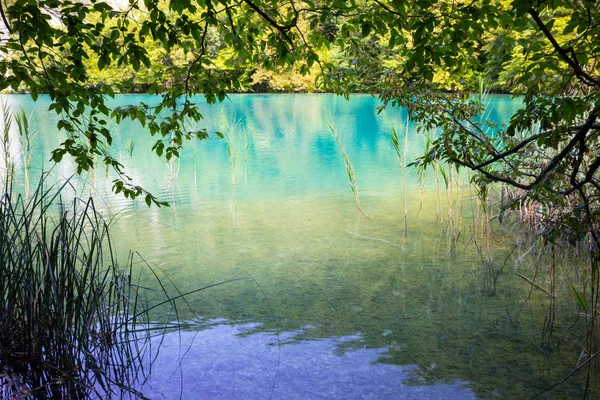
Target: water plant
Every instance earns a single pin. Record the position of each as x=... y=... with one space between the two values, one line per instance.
x=5 y=143
x=231 y=153
x=26 y=135
x=393 y=134
x=489 y=277
x=229 y=136
x=130 y=146
x=71 y=317
x=195 y=163
x=349 y=169
x=245 y=137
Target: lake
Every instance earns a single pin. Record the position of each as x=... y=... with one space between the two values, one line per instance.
x=318 y=300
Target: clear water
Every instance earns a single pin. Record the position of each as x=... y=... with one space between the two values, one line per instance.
x=332 y=304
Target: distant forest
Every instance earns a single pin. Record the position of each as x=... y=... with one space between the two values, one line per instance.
x=502 y=55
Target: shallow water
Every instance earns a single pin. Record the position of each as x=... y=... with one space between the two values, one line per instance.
x=327 y=303
x=224 y=362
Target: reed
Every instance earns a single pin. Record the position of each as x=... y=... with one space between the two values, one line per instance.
x=450 y=229
x=405 y=172
x=436 y=176
x=173 y=165
x=450 y=198
x=229 y=137
x=489 y=275
x=26 y=135
x=104 y=149
x=130 y=146
x=246 y=142
x=231 y=153
x=5 y=143
x=401 y=155
x=173 y=162
x=464 y=182
x=349 y=169
x=71 y=318
x=422 y=179
x=194 y=162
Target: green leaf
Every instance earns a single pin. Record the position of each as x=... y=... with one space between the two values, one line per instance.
x=101 y=63
x=521 y=6
x=366 y=29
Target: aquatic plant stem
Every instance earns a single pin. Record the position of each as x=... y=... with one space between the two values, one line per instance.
x=25 y=137
x=404 y=173
x=438 y=192
x=401 y=156
x=5 y=142
x=375 y=239
x=349 y=169
x=245 y=135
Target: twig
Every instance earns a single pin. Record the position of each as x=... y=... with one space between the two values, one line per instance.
x=567 y=377
x=532 y=283
x=374 y=238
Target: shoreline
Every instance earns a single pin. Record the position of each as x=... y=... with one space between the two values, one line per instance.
x=23 y=93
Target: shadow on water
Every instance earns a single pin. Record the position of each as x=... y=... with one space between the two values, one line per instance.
x=234 y=361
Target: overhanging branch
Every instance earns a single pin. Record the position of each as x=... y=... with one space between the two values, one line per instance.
x=564 y=53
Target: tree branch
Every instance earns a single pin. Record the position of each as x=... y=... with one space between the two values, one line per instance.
x=581 y=133
x=564 y=53
x=230 y=21
x=4 y=19
x=554 y=162
x=513 y=150
x=202 y=52
x=283 y=29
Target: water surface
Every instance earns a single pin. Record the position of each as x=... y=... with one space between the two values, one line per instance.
x=332 y=304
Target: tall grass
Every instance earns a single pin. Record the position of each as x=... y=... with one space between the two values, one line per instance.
x=245 y=135
x=70 y=315
x=489 y=276
x=26 y=135
x=195 y=163
x=401 y=155
x=130 y=146
x=231 y=153
x=349 y=169
x=5 y=143
x=173 y=162
x=229 y=136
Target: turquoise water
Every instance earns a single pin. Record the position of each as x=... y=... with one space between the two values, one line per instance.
x=332 y=304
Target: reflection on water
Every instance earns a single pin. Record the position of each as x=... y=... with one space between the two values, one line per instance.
x=365 y=299
x=225 y=362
